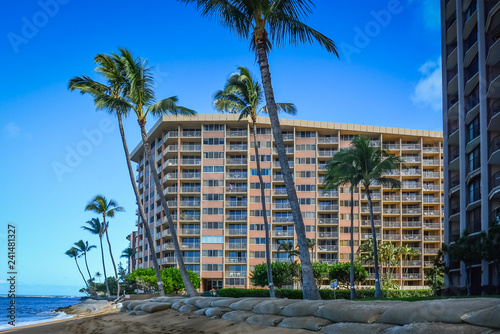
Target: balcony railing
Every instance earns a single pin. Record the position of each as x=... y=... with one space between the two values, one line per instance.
x=280 y=192
x=236 y=133
x=191 y=231
x=191 y=175
x=276 y=164
x=328 y=234
x=412 y=237
x=376 y=222
x=236 y=175
x=432 y=238
x=366 y=236
x=236 y=218
x=236 y=274
x=327 y=248
x=190 y=161
x=326 y=153
x=412 y=211
x=190 y=189
x=282 y=233
x=187 y=133
x=411 y=146
x=391 y=211
x=191 y=148
x=328 y=207
x=236 y=161
x=233 y=204
x=494 y=145
x=281 y=206
x=328 y=140
x=190 y=246
x=410 y=159
x=283 y=219
x=432 y=225
x=392 y=236
x=287 y=136
x=412 y=224
x=236 y=245
x=236 y=260
x=392 y=224
x=332 y=193
x=234 y=189
x=328 y=221
x=391 y=146
x=431 y=162
x=190 y=203
x=237 y=232
x=432 y=212
x=234 y=147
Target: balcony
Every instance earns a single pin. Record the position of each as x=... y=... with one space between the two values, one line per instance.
x=431 y=175
x=237 y=175
x=280 y=192
x=235 y=147
x=195 y=162
x=186 y=189
x=431 y=149
x=328 y=207
x=494 y=116
x=435 y=238
x=283 y=233
x=328 y=235
x=376 y=222
x=392 y=237
x=431 y=162
x=412 y=237
x=168 y=260
x=233 y=245
x=237 y=231
x=432 y=187
x=288 y=150
x=410 y=159
x=432 y=251
x=332 y=193
x=391 y=147
x=411 y=198
x=282 y=206
x=191 y=259
x=170 y=149
x=191 y=148
x=391 y=198
x=191 y=133
x=366 y=236
x=236 y=260
x=411 y=147
x=190 y=245
x=412 y=224
x=236 y=274
x=190 y=203
x=236 y=133
x=170 y=177
x=392 y=224
x=185 y=217
x=170 y=134
x=283 y=219
x=326 y=153
x=287 y=136
x=190 y=231
x=328 y=221
x=191 y=175
x=328 y=261
x=276 y=164
x=236 y=204
x=411 y=211
x=366 y=209
x=236 y=161
x=494 y=151
x=236 y=218
x=412 y=276
x=432 y=213
x=167 y=246
x=411 y=172
x=327 y=248
x=170 y=162
x=391 y=211
x=328 y=140
x=278 y=178
x=495 y=186
x=236 y=189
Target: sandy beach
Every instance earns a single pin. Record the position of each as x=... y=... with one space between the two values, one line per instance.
x=169 y=321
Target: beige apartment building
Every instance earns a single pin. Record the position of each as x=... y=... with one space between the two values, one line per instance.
x=208 y=170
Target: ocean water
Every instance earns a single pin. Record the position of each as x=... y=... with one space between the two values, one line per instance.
x=33 y=310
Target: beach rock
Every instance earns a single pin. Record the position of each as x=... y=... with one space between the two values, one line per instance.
x=348 y=311
x=201 y=311
x=217 y=311
x=177 y=305
x=131 y=306
x=237 y=316
x=246 y=304
x=264 y=320
x=303 y=308
x=273 y=306
x=155 y=307
x=188 y=308
x=441 y=328
x=309 y=323
x=225 y=302
x=355 y=328
x=489 y=317
x=446 y=310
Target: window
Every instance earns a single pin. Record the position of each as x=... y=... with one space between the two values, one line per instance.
x=347 y=216
x=256 y=185
x=195 y=268
x=258 y=255
x=263 y=158
x=261 y=144
x=213 y=211
x=348 y=203
x=305 y=147
x=305 y=174
x=263 y=131
x=257 y=241
x=213 y=141
x=307 y=201
x=213 y=183
x=259 y=213
x=212 y=239
x=306 y=187
x=263 y=171
x=347 y=190
x=258 y=227
x=309 y=215
x=213 y=253
x=305 y=134
x=306 y=161
x=256 y=199
x=347 y=229
x=213 y=155
x=213 y=197
x=213 y=127
x=213 y=169
x=212 y=267
x=235 y=281
x=310 y=228
x=213 y=225
x=348 y=243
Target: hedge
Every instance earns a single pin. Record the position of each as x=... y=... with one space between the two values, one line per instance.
x=325 y=294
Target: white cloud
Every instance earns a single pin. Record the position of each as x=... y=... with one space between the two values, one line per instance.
x=428 y=90
x=13 y=130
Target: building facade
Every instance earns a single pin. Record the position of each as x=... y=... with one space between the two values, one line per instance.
x=471 y=105
x=208 y=170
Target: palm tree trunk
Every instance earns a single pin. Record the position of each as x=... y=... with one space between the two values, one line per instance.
x=90 y=276
x=104 y=267
x=378 y=292
x=467 y=278
x=264 y=212
x=78 y=266
x=351 y=274
x=144 y=220
x=188 y=285
x=111 y=254
x=310 y=289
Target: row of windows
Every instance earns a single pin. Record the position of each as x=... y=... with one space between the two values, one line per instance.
x=213 y=197
x=212 y=239
x=213 y=155
x=213 y=183
x=305 y=161
x=261 y=144
x=213 y=225
x=213 y=211
x=305 y=174
x=214 y=127
x=212 y=253
x=305 y=147
x=213 y=169
x=259 y=213
x=263 y=171
x=257 y=199
x=213 y=141
x=263 y=158
x=212 y=267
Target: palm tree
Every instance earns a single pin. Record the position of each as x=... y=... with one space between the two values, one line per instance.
x=490 y=242
x=84 y=248
x=96 y=228
x=74 y=253
x=407 y=254
x=98 y=275
x=110 y=97
x=264 y=23
x=140 y=98
x=371 y=164
x=243 y=94
x=287 y=247
x=102 y=206
x=128 y=253
x=341 y=170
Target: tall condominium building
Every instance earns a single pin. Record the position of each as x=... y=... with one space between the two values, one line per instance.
x=208 y=170
x=471 y=105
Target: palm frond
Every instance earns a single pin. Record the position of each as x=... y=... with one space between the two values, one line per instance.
x=169 y=106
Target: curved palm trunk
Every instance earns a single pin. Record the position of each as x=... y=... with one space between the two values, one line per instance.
x=264 y=212
x=188 y=285
x=104 y=267
x=378 y=292
x=310 y=289
x=145 y=227
x=351 y=274
x=78 y=266
x=90 y=276
x=111 y=254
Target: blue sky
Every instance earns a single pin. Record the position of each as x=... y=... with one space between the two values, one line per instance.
x=388 y=75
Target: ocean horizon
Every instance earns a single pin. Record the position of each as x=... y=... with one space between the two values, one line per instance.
x=32 y=310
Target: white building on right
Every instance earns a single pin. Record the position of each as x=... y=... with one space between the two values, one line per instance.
x=471 y=113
